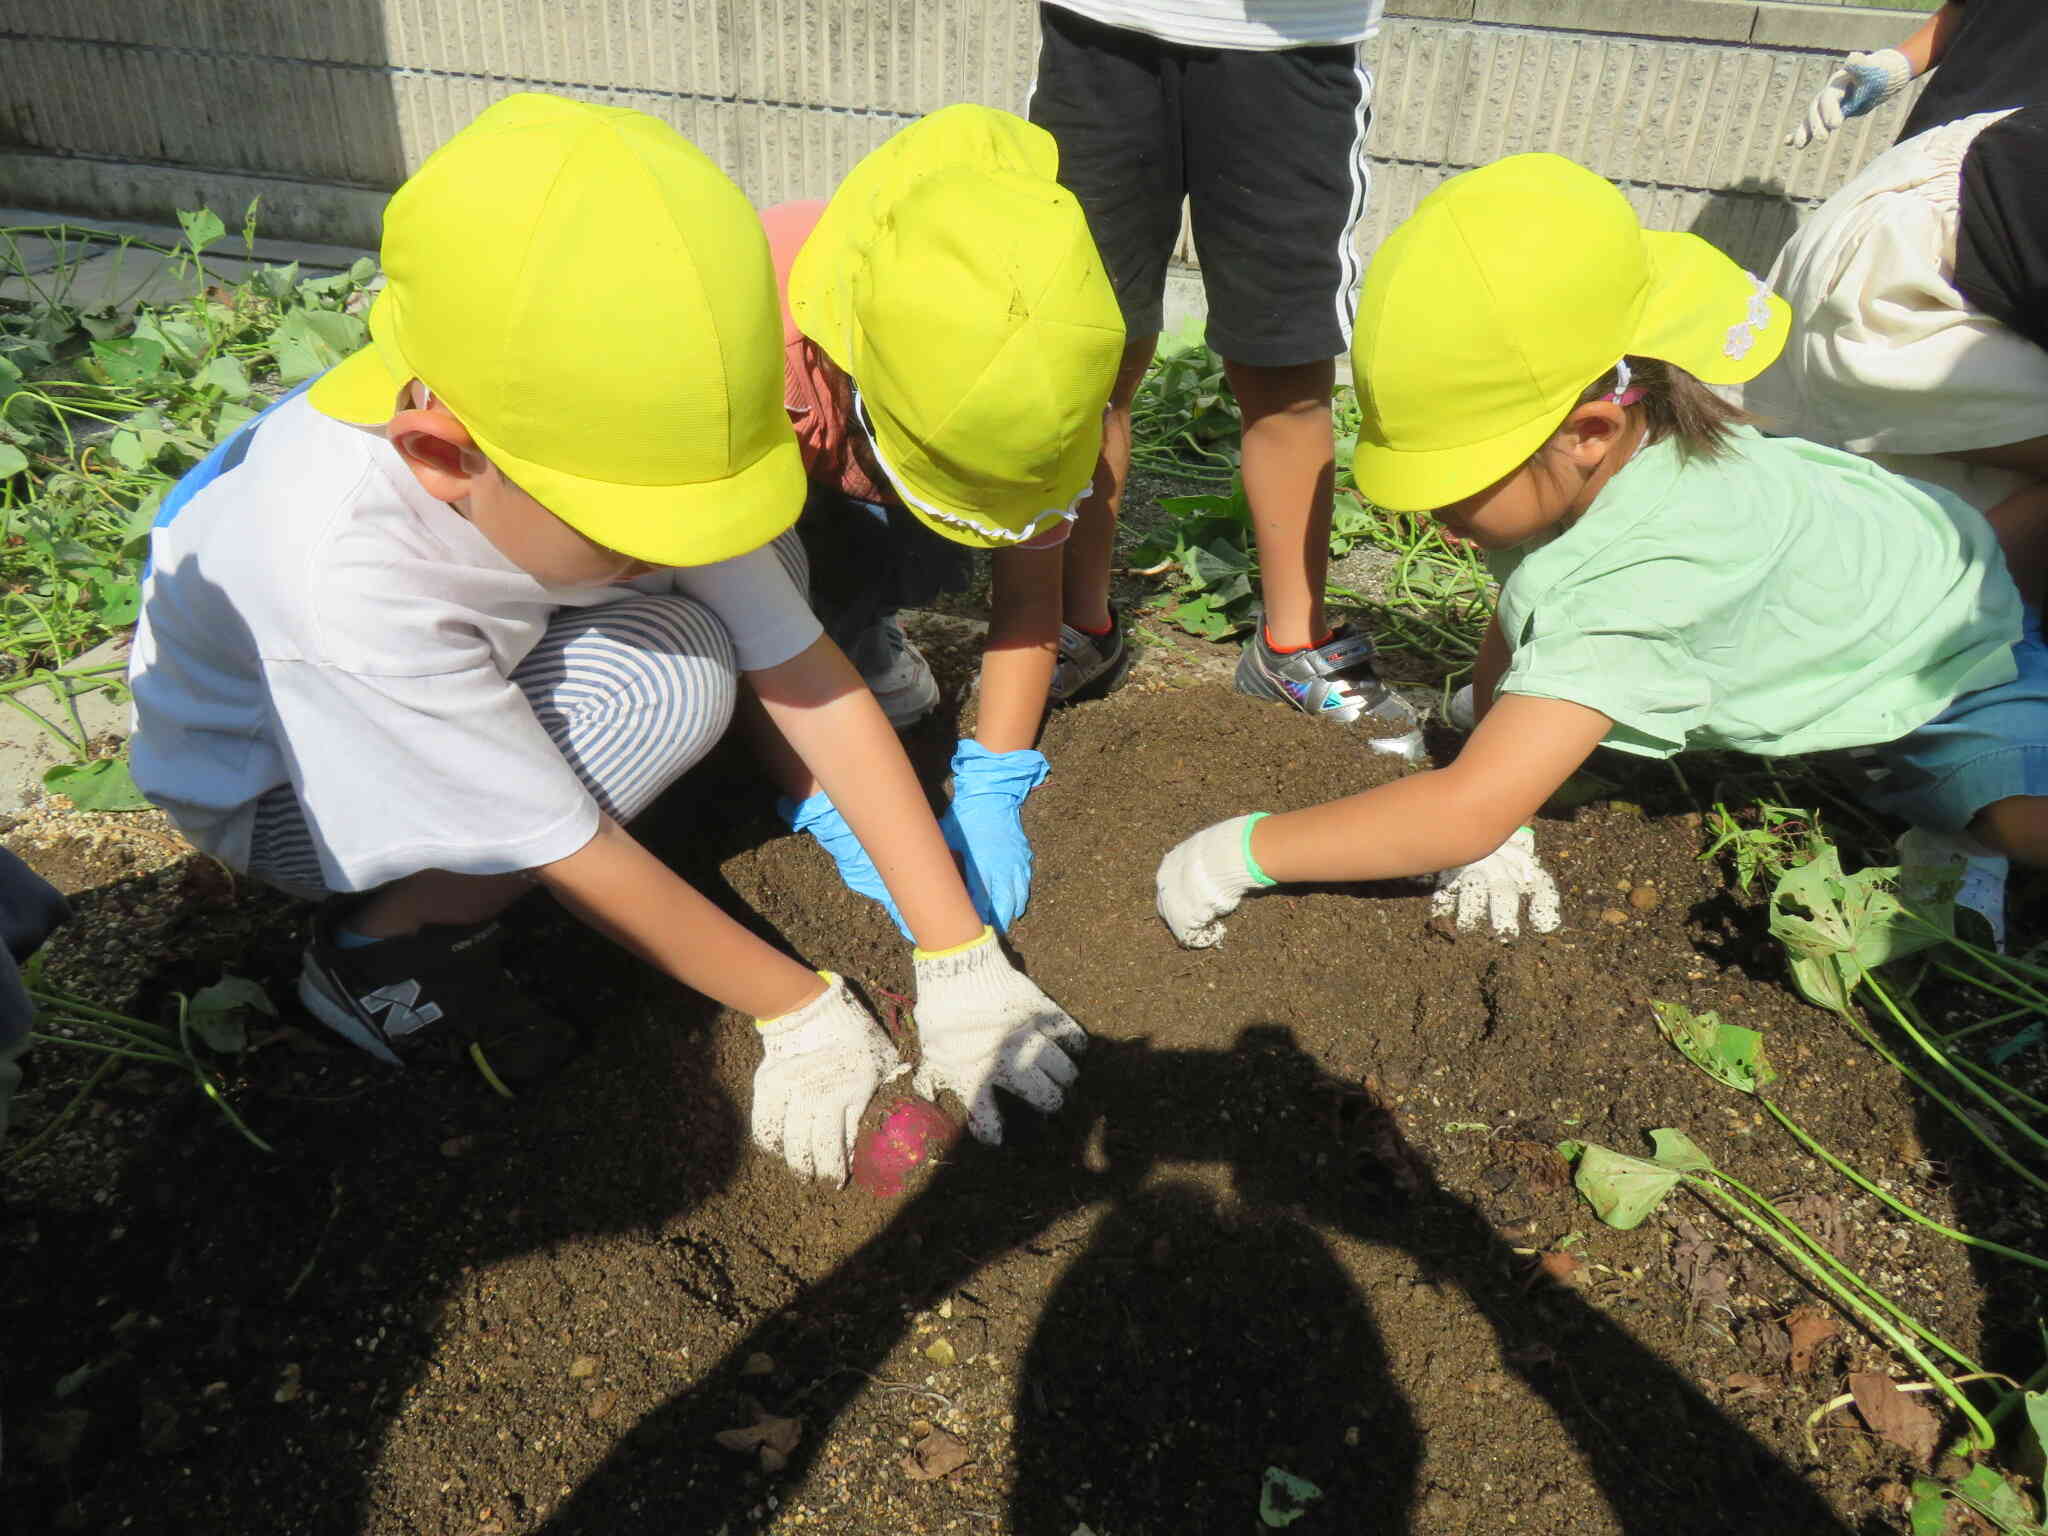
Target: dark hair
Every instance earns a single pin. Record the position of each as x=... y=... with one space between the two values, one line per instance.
x=1676 y=405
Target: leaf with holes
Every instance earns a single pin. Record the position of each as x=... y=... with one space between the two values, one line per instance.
x=219 y=1014
x=1727 y=1053
x=1835 y=927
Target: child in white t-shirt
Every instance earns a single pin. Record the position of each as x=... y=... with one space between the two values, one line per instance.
x=458 y=614
x=1533 y=370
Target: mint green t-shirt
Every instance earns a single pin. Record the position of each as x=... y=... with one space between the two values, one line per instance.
x=1785 y=598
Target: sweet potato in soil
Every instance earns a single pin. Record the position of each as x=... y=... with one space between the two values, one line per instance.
x=1292 y=1216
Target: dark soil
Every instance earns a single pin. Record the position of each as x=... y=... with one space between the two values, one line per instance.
x=1291 y=1217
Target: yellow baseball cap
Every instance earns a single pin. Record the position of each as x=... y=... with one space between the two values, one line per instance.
x=594 y=301
x=1508 y=291
x=954 y=279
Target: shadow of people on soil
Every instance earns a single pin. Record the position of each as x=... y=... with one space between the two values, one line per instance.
x=1200 y=1337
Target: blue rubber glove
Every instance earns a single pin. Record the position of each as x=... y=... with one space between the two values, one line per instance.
x=985 y=826
x=820 y=817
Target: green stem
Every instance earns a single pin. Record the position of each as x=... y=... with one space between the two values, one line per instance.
x=1982 y=1437
x=1893 y=1201
x=75 y=748
x=63 y=1117
x=2001 y=1084
x=1844 y=1272
x=50 y=998
x=227 y=1109
x=1870 y=1039
x=1991 y=1023
x=2026 y=1005
x=160 y=1058
x=1983 y=1094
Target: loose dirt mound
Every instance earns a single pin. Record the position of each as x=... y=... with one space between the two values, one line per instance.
x=1290 y=1218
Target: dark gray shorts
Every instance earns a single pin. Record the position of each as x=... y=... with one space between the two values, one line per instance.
x=1268 y=148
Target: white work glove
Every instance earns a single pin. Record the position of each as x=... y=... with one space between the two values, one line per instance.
x=822 y=1064
x=1860 y=83
x=1204 y=877
x=983 y=1025
x=1491 y=889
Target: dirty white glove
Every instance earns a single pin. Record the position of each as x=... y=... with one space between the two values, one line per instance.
x=1861 y=82
x=1491 y=890
x=982 y=1025
x=1979 y=873
x=1201 y=881
x=822 y=1064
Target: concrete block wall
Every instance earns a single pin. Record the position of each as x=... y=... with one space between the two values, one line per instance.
x=130 y=108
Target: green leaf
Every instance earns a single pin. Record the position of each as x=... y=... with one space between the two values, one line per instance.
x=1675 y=1149
x=310 y=342
x=180 y=338
x=12 y=460
x=1622 y=1190
x=277 y=283
x=201 y=228
x=126 y=447
x=105 y=785
x=1835 y=927
x=1199 y=616
x=227 y=375
x=117 y=600
x=1727 y=1053
x=362 y=269
x=131 y=361
x=104 y=326
x=1991 y=1495
x=1929 y=1515
x=219 y=1014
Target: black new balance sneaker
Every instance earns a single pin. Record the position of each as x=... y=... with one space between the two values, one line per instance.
x=441 y=993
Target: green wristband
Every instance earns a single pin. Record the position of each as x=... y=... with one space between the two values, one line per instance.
x=1251 y=865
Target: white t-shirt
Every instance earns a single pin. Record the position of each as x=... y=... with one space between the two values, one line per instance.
x=314 y=618
x=1248 y=24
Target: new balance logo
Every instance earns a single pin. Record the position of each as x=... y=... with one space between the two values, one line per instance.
x=395 y=1003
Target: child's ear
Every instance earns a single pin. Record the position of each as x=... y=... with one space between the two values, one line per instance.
x=439 y=451
x=1591 y=432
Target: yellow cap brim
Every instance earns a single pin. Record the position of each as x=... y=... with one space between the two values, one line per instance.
x=363 y=387
x=1706 y=339
x=671 y=524
x=1424 y=481
x=998 y=521
x=697 y=524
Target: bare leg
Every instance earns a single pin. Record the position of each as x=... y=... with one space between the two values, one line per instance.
x=2021 y=523
x=1092 y=544
x=1289 y=478
x=2016 y=826
x=436 y=896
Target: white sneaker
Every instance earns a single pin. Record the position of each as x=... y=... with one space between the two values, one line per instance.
x=895 y=671
x=1983 y=873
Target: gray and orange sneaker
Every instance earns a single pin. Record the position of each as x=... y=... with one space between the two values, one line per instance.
x=1334 y=682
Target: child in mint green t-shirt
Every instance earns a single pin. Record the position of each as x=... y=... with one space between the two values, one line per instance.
x=1530 y=367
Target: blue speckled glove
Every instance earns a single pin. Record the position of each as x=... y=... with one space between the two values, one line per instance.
x=820 y=817
x=985 y=826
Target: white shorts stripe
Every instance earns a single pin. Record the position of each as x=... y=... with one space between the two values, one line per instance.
x=1348 y=264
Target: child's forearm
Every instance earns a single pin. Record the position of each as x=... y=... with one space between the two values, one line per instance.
x=632 y=898
x=819 y=706
x=1413 y=826
x=1023 y=647
x=1515 y=760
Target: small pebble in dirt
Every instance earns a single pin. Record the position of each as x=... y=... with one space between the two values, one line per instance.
x=1613 y=915
x=457 y=1146
x=583 y=1365
x=602 y=1402
x=758 y=1364
x=1644 y=898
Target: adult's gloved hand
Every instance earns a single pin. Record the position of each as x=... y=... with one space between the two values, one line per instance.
x=820 y=817
x=985 y=826
x=1860 y=83
x=1204 y=878
x=1491 y=890
x=983 y=1025
x=821 y=1065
